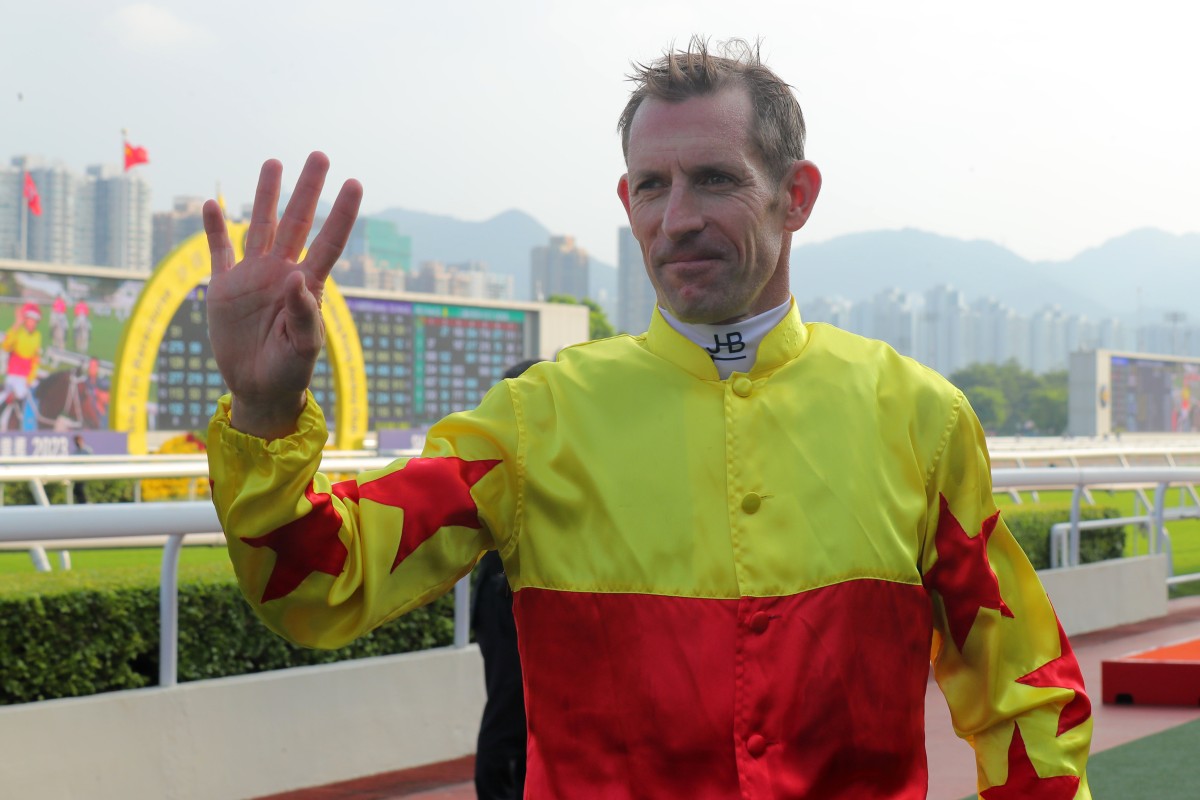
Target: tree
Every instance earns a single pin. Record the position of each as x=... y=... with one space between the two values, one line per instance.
x=1030 y=402
x=991 y=406
x=598 y=325
x=1048 y=404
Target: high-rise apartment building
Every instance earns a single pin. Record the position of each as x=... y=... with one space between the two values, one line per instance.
x=635 y=293
x=113 y=219
x=468 y=279
x=835 y=311
x=558 y=268
x=49 y=236
x=11 y=207
x=169 y=229
x=379 y=240
x=945 y=335
x=999 y=333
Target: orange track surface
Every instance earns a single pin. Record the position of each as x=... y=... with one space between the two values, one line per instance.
x=1180 y=651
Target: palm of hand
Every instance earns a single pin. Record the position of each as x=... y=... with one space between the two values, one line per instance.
x=264 y=313
x=259 y=349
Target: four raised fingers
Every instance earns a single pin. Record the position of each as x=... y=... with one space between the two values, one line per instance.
x=288 y=237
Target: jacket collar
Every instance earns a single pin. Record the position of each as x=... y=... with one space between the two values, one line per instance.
x=783 y=344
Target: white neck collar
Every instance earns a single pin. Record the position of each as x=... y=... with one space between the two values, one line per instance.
x=734 y=347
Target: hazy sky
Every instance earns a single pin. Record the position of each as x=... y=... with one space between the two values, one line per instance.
x=1045 y=126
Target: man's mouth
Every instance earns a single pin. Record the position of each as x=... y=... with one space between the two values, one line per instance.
x=684 y=260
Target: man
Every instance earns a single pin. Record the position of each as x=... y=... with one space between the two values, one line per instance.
x=79 y=488
x=58 y=322
x=734 y=541
x=23 y=343
x=83 y=326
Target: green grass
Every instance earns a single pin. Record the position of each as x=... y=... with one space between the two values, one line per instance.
x=1185 y=534
x=1158 y=766
x=83 y=561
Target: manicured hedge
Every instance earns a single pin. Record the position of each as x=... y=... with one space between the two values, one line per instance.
x=1030 y=525
x=84 y=634
x=114 y=491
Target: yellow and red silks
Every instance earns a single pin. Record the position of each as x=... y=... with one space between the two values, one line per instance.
x=723 y=588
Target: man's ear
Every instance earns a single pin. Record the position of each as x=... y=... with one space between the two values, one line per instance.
x=803 y=184
x=623 y=192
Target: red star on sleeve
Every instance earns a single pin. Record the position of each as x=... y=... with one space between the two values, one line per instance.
x=1063 y=672
x=962 y=574
x=1023 y=781
x=303 y=546
x=434 y=493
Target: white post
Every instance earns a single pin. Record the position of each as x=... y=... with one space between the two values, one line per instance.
x=462 y=611
x=168 y=611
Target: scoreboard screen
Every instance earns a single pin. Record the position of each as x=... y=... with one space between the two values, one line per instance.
x=425 y=360
x=186 y=383
x=1155 y=396
x=422 y=361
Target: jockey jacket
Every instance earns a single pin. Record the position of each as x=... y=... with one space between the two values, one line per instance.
x=722 y=588
x=24 y=352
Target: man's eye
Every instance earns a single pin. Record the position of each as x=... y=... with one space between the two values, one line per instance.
x=648 y=184
x=715 y=179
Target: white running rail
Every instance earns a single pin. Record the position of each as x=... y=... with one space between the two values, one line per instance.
x=44 y=524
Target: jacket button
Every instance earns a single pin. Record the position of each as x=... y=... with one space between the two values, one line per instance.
x=751 y=503
x=759 y=621
x=756 y=745
x=743 y=386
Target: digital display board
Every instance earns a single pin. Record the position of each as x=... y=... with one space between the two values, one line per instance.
x=187 y=383
x=65 y=327
x=426 y=360
x=1154 y=396
x=422 y=361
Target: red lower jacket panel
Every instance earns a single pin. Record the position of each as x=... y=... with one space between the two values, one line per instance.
x=817 y=695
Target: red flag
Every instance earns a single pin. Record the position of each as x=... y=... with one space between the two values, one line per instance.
x=135 y=156
x=32 y=197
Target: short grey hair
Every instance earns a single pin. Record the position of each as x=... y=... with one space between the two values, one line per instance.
x=682 y=74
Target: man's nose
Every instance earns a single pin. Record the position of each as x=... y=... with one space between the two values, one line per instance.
x=682 y=216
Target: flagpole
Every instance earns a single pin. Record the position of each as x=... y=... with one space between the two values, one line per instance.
x=22 y=247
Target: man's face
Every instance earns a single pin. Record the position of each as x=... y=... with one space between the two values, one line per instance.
x=713 y=225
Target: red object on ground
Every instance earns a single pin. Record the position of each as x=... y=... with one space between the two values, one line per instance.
x=1164 y=676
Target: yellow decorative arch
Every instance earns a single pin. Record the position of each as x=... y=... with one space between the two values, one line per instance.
x=176 y=276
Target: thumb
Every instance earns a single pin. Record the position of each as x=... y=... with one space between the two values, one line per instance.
x=302 y=319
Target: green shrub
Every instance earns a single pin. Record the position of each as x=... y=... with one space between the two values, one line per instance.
x=73 y=634
x=1030 y=525
x=106 y=491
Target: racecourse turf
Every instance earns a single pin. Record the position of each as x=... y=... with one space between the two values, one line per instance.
x=1158 y=767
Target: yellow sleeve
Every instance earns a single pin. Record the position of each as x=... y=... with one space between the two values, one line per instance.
x=323 y=563
x=35 y=360
x=1000 y=657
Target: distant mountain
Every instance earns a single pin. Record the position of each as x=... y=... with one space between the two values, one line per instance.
x=1101 y=282
x=1147 y=270
x=504 y=242
x=860 y=265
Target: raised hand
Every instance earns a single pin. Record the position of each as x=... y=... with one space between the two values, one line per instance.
x=264 y=313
